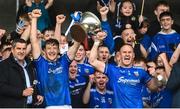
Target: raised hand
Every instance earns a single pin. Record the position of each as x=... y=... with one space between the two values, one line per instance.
x=60 y=18
x=104 y=10
x=91 y=78
x=99 y=6
x=36 y=13
x=141 y=19
x=100 y=36
x=112 y=5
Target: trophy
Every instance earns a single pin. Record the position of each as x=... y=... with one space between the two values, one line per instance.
x=86 y=26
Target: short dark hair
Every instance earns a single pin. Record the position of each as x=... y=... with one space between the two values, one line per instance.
x=52 y=41
x=103 y=45
x=18 y=41
x=145 y=23
x=3 y=45
x=161 y=2
x=130 y=1
x=165 y=14
x=47 y=29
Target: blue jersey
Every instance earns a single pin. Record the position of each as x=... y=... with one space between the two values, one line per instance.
x=146 y=95
x=54 y=80
x=146 y=42
x=98 y=100
x=126 y=84
x=162 y=99
x=166 y=43
x=108 y=40
x=85 y=69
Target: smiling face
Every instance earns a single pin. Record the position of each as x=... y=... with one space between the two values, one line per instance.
x=127 y=8
x=51 y=52
x=166 y=23
x=19 y=51
x=127 y=56
x=73 y=70
x=80 y=55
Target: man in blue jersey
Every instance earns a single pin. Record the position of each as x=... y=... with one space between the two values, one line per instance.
x=126 y=81
x=52 y=70
x=98 y=96
x=167 y=39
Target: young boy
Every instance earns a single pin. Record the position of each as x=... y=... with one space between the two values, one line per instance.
x=167 y=39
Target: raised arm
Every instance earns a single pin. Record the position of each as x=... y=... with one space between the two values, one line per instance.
x=59 y=20
x=36 y=49
x=72 y=50
x=99 y=65
x=175 y=56
x=112 y=6
x=25 y=35
x=86 y=95
x=166 y=64
x=143 y=51
x=108 y=41
x=49 y=4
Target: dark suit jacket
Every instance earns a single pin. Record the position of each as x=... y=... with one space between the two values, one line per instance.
x=174 y=84
x=12 y=83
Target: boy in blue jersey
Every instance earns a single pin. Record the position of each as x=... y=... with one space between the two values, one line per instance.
x=125 y=80
x=167 y=39
x=98 y=97
x=52 y=70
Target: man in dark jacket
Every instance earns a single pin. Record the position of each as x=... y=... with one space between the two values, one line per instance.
x=16 y=79
x=174 y=84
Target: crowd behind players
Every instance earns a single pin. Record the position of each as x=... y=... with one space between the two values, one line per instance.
x=130 y=63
